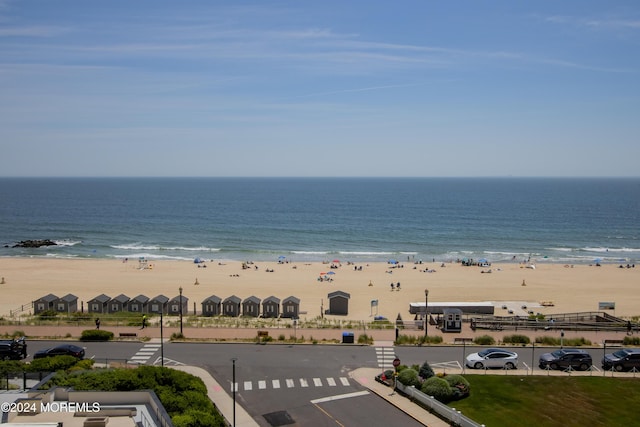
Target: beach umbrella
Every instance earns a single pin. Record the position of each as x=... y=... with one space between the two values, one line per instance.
x=393 y=261
x=483 y=260
x=337 y=261
x=281 y=257
x=323 y=274
x=331 y=272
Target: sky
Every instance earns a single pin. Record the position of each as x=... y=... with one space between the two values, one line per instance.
x=338 y=88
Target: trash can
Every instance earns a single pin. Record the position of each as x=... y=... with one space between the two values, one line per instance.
x=347 y=338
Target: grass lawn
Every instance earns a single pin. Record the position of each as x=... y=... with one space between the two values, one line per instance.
x=541 y=401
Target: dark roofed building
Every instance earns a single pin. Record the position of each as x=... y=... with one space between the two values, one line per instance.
x=291 y=307
x=138 y=304
x=271 y=307
x=98 y=304
x=339 y=303
x=211 y=306
x=175 y=303
x=118 y=304
x=158 y=304
x=251 y=306
x=231 y=306
x=67 y=304
x=44 y=303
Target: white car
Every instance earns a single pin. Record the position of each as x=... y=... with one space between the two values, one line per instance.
x=493 y=358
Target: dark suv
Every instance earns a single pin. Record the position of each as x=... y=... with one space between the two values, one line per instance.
x=622 y=360
x=11 y=350
x=566 y=358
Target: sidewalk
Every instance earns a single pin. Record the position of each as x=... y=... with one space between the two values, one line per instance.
x=230 y=334
x=366 y=378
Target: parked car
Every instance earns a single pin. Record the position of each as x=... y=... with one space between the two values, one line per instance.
x=61 y=350
x=566 y=358
x=622 y=360
x=8 y=352
x=13 y=349
x=492 y=358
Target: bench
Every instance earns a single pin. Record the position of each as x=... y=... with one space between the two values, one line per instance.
x=613 y=342
x=460 y=340
x=128 y=334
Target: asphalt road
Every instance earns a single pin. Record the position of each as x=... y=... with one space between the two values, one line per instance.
x=304 y=384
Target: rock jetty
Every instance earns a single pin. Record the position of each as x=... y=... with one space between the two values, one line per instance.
x=34 y=243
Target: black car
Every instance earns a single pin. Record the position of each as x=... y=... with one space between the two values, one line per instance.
x=13 y=349
x=61 y=350
x=622 y=360
x=573 y=358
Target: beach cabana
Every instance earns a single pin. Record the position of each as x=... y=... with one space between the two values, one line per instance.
x=271 y=307
x=176 y=302
x=67 y=304
x=251 y=306
x=44 y=303
x=118 y=304
x=138 y=304
x=211 y=306
x=231 y=306
x=291 y=307
x=158 y=304
x=452 y=320
x=99 y=304
x=339 y=303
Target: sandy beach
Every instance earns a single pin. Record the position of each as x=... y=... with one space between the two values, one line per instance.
x=571 y=288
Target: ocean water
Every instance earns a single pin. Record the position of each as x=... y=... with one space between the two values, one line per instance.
x=317 y=219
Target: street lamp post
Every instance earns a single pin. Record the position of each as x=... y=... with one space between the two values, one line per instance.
x=426 y=306
x=180 y=289
x=161 y=337
x=233 y=386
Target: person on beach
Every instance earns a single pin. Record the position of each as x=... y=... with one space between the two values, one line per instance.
x=97 y=323
x=144 y=321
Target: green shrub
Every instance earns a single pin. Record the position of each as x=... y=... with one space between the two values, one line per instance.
x=568 y=342
x=484 y=340
x=96 y=335
x=438 y=388
x=459 y=385
x=576 y=342
x=425 y=371
x=631 y=340
x=547 y=340
x=516 y=339
x=52 y=364
x=48 y=314
x=365 y=339
x=82 y=365
x=409 y=377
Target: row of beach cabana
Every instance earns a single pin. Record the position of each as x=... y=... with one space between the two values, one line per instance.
x=232 y=306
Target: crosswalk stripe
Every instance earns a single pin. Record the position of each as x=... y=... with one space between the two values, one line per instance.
x=234 y=387
x=275 y=383
x=317 y=382
x=262 y=384
x=303 y=382
x=290 y=383
x=248 y=386
x=331 y=382
x=344 y=381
